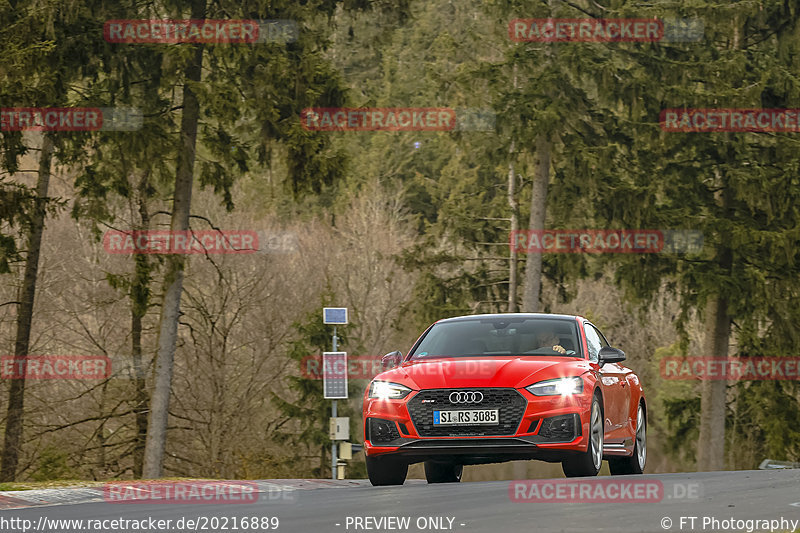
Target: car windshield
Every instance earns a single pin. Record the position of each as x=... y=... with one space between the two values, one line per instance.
x=500 y=336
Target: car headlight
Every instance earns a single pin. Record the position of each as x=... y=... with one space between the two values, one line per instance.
x=385 y=390
x=557 y=387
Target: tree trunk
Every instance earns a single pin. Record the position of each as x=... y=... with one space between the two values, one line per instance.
x=713 y=404
x=711 y=444
x=16 y=393
x=519 y=469
x=170 y=310
x=140 y=299
x=513 y=267
x=533 y=268
x=514 y=205
x=140 y=394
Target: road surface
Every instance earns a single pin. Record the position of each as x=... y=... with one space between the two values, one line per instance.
x=739 y=501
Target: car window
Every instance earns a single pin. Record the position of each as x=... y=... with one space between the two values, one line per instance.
x=603 y=341
x=593 y=342
x=500 y=336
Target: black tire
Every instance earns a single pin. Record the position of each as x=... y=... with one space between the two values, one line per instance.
x=386 y=471
x=589 y=462
x=443 y=472
x=620 y=466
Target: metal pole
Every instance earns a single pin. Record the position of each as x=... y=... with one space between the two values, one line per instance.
x=334 y=458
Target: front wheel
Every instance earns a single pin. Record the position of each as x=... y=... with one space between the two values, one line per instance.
x=588 y=463
x=386 y=471
x=635 y=463
x=443 y=472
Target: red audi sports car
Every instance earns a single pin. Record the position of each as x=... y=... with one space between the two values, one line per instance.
x=494 y=388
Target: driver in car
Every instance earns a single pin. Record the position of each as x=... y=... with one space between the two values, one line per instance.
x=548 y=339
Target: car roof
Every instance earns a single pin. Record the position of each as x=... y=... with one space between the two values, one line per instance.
x=507 y=315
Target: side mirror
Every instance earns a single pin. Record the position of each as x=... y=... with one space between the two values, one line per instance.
x=611 y=355
x=392 y=359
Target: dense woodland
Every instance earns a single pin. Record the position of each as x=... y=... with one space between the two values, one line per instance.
x=403 y=228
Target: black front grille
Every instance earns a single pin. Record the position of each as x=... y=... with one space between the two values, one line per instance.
x=509 y=402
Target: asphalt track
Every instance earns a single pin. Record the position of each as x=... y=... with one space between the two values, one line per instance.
x=485 y=507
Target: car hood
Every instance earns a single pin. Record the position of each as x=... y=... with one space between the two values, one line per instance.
x=494 y=371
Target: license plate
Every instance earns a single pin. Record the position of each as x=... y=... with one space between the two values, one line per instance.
x=476 y=417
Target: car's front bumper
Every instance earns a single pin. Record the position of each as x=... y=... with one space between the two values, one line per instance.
x=477 y=451
x=391 y=430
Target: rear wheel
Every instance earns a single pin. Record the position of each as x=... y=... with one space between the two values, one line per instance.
x=443 y=472
x=588 y=463
x=386 y=471
x=635 y=463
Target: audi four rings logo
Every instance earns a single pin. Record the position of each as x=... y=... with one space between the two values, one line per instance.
x=466 y=397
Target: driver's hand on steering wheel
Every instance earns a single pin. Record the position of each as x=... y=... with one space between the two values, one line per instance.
x=560 y=349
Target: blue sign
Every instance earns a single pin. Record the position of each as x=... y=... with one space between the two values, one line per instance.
x=334 y=375
x=334 y=315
